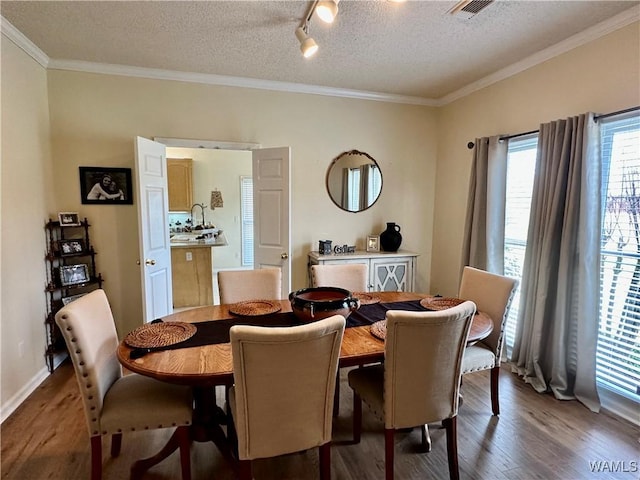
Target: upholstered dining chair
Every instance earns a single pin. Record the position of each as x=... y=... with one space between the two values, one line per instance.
x=115 y=403
x=419 y=381
x=350 y=276
x=282 y=400
x=241 y=285
x=492 y=294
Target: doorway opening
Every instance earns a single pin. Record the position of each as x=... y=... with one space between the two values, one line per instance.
x=228 y=172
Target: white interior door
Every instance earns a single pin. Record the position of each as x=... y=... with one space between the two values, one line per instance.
x=153 y=228
x=272 y=211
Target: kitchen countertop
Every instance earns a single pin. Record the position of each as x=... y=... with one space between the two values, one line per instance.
x=220 y=241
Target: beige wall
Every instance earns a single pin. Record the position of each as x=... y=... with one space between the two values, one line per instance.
x=94 y=119
x=27 y=193
x=602 y=77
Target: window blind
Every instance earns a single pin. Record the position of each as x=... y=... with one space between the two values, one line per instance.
x=521 y=160
x=618 y=352
x=246 y=214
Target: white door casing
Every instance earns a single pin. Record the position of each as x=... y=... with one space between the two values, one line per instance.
x=153 y=228
x=272 y=211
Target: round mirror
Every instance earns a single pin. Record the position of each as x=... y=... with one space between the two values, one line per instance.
x=354 y=181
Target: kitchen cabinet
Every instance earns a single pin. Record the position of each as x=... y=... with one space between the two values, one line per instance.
x=180 y=184
x=192 y=276
x=388 y=271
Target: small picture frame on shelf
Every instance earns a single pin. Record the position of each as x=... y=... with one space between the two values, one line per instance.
x=373 y=243
x=74 y=246
x=71 y=298
x=74 y=274
x=69 y=219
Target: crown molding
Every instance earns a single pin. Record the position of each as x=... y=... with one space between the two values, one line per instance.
x=601 y=29
x=17 y=37
x=229 y=81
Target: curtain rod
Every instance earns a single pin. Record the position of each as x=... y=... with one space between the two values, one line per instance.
x=470 y=145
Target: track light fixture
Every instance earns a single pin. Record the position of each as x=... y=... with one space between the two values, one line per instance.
x=327 y=10
x=308 y=46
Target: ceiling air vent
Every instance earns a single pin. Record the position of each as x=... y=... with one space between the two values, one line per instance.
x=469 y=8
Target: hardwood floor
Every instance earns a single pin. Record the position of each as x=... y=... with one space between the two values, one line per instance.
x=535 y=437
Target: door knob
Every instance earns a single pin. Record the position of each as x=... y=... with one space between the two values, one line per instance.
x=149 y=261
x=284 y=256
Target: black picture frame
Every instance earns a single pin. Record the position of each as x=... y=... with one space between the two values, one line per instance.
x=74 y=274
x=72 y=246
x=95 y=189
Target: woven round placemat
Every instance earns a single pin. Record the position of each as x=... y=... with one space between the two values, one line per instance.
x=440 y=303
x=163 y=334
x=379 y=329
x=366 y=298
x=255 y=307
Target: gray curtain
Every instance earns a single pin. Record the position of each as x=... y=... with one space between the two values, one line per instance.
x=556 y=335
x=484 y=226
x=345 y=188
x=365 y=180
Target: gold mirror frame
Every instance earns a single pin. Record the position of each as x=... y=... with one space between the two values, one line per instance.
x=354 y=181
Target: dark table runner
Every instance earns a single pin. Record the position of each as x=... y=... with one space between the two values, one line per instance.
x=217 y=331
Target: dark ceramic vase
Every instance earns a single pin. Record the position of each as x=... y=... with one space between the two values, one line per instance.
x=391 y=239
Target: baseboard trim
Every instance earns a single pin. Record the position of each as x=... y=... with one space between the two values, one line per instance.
x=619 y=405
x=14 y=402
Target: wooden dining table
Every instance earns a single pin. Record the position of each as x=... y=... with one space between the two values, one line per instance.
x=206 y=366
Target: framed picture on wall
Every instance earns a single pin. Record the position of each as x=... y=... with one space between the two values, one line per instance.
x=106 y=186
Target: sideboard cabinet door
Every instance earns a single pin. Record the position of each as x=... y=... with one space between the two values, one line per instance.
x=392 y=275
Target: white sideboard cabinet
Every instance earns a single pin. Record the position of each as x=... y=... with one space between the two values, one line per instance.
x=388 y=271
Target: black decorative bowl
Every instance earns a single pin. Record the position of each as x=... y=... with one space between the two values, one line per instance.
x=316 y=303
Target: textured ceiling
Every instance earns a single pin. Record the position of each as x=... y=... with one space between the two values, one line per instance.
x=413 y=49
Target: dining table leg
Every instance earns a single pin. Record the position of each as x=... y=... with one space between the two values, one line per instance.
x=207 y=420
x=177 y=438
x=206 y=426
